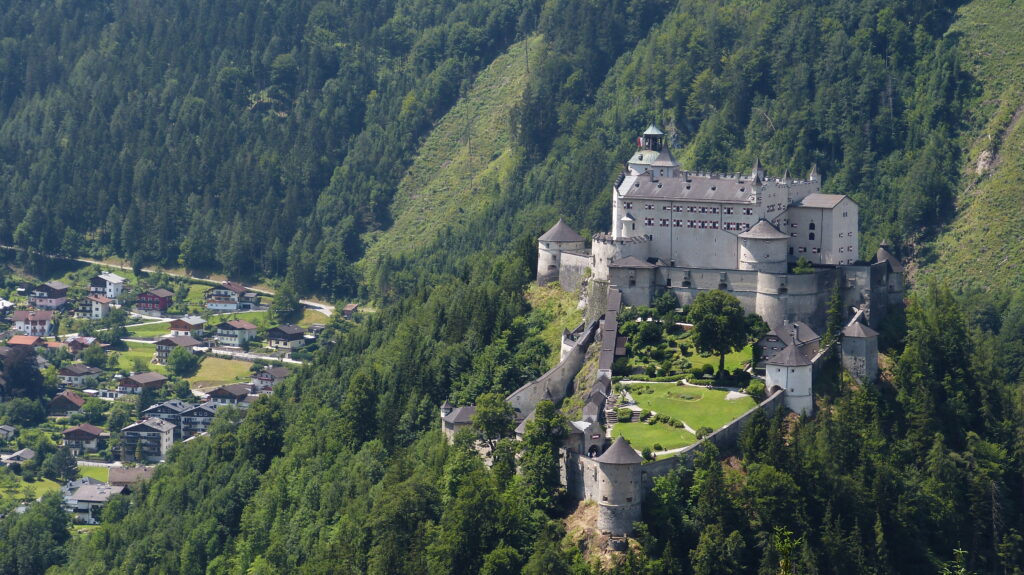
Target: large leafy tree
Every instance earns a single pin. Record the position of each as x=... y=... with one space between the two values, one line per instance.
x=719 y=324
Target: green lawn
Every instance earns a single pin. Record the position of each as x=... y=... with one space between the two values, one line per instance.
x=309 y=317
x=733 y=360
x=99 y=473
x=43 y=486
x=641 y=435
x=216 y=371
x=143 y=351
x=196 y=294
x=697 y=407
x=155 y=329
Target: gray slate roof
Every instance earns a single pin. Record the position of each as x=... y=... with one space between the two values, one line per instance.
x=689 y=186
x=883 y=255
x=653 y=130
x=763 y=230
x=462 y=414
x=857 y=329
x=820 y=201
x=790 y=356
x=631 y=262
x=620 y=453
x=561 y=232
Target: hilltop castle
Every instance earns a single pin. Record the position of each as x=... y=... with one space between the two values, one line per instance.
x=687 y=232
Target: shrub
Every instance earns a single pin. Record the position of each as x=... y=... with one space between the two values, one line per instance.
x=756 y=389
x=658 y=447
x=645 y=414
x=624 y=414
x=708 y=369
x=651 y=370
x=703 y=432
x=646 y=454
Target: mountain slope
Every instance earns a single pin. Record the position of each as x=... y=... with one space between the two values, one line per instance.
x=984 y=247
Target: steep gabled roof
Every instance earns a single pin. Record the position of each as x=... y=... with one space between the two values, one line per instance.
x=857 y=329
x=883 y=255
x=763 y=230
x=790 y=356
x=653 y=130
x=561 y=232
x=620 y=453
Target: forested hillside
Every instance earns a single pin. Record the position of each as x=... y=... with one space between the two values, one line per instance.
x=275 y=138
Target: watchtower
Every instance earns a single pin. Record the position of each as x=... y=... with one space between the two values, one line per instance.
x=619 y=489
x=860 y=351
x=550 y=246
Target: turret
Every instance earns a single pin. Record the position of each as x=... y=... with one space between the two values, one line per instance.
x=446 y=408
x=619 y=489
x=763 y=248
x=791 y=371
x=652 y=139
x=814 y=176
x=757 y=172
x=860 y=351
x=550 y=246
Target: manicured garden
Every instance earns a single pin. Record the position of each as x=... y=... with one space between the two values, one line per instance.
x=675 y=405
x=96 y=472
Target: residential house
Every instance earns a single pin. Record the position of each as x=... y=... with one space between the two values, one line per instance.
x=33 y=322
x=192 y=325
x=96 y=306
x=231 y=296
x=25 y=341
x=86 y=502
x=78 y=343
x=235 y=333
x=169 y=411
x=78 y=375
x=154 y=301
x=109 y=285
x=83 y=438
x=286 y=337
x=65 y=402
x=7 y=432
x=167 y=344
x=454 y=419
x=197 y=419
x=135 y=383
x=49 y=295
x=232 y=394
x=130 y=476
x=349 y=310
x=149 y=439
x=268 y=378
x=20 y=456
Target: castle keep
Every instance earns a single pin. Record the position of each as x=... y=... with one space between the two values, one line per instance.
x=687 y=232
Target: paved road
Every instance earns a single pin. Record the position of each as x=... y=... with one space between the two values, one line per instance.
x=85 y=463
x=323 y=308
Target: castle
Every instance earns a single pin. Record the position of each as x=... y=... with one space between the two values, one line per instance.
x=684 y=233
x=687 y=232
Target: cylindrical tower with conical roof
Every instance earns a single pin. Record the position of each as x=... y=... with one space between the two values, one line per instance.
x=550 y=247
x=619 y=488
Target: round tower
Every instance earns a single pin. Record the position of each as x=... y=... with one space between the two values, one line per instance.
x=619 y=488
x=791 y=371
x=550 y=246
x=763 y=248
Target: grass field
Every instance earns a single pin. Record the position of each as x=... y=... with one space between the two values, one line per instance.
x=99 y=473
x=217 y=371
x=43 y=486
x=155 y=329
x=143 y=351
x=733 y=360
x=558 y=309
x=309 y=317
x=641 y=435
x=696 y=406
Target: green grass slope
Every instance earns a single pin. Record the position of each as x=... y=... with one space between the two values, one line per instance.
x=461 y=163
x=984 y=246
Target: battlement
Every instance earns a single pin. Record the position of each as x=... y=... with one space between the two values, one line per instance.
x=608 y=240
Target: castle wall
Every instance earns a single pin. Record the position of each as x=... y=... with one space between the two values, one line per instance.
x=620 y=492
x=572 y=269
x=637 y=285
x=605 y=250
x=860 y=357
x=556 y=381
x=549 y=259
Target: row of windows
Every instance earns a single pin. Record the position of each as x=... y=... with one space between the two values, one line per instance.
x=728 y=210
x=809 y=226
x=699 y=224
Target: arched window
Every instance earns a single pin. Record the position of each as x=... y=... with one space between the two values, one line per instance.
x=810 y=236
x=811 y=227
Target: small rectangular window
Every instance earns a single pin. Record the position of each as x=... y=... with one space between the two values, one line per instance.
x=627 y=205
x=802 y=250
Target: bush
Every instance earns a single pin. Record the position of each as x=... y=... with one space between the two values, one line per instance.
x=645 y=414
x=646 y=454
x=708 y=369
x=658 y=447
x=624 y=414
x=703 y=432
x=651 y=370
x=756 y=389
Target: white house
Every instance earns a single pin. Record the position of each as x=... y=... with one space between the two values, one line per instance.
x=107 y=284
x=33 y=322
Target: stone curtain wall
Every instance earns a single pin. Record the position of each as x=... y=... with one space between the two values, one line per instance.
x=556 y=381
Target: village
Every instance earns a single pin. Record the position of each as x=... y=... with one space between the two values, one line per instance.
x=103 y=371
